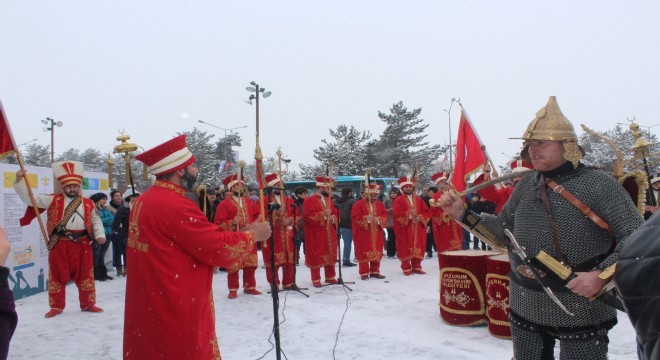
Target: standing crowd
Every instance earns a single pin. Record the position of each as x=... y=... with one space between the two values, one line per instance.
x=166 y=244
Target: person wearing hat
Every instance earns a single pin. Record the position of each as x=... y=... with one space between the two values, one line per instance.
x=321 y=219
x=284 y=211
x=369 y=218
x=410 y=218
x=120 y=229
x=501 y=195
x=542 y=214
x=447 y=234
x=652 y=197
x=100 y=270
x=234 y=213
x=172 y=253
x=73 y=224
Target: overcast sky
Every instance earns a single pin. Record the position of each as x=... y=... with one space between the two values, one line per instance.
x=153 y=68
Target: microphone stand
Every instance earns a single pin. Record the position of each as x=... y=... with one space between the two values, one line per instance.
x=294 y=286
x=273 y=285
x=340 y=279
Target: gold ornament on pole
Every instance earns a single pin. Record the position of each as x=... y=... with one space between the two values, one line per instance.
x=126 y=148
x=110 y=171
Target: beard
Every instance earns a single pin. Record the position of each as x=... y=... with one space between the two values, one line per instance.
x=188 y=180
x=325 y=193
x=71 y=193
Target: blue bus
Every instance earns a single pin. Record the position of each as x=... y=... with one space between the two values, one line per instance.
x=354 y=182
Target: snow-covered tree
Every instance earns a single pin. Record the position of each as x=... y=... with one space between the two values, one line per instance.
x=602 y=155
x=402 y=145
x=347 y=152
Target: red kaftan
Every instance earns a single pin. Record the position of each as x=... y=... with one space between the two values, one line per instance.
x=282 y=238
x=247 y=211
x=448 y=235
x=172 y=251
x=320 y=232
x=410 y=245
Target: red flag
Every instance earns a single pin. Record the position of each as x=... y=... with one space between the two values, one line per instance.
x=469 y=153
x=6 y=139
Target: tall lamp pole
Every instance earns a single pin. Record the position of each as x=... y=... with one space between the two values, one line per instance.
x=53 y=124
x=451 y=155
x=225 y=130
x=255 y=91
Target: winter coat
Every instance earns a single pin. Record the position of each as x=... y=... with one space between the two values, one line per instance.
x=345 y=204
x=638 y=281
x=120 y=224
x=106 y=218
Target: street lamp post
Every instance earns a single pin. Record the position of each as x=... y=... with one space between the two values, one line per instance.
x=225 y=130
x=451 y=157
x=52 y=123
x=255 y=90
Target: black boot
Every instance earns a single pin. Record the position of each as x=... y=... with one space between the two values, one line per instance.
x=98 y=273
x=104 y=273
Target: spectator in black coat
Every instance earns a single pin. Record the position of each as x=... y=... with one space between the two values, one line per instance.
x=344 y=205
x=638 y=280
x=8 y=316
x=120 y=230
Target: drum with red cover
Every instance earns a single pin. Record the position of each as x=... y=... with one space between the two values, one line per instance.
x=462 y=279
x=497 y=296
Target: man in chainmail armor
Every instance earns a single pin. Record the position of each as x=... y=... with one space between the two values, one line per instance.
x=541 y=218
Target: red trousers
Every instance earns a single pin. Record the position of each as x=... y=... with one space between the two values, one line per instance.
x=409 y=265
x=71 y=261
x=287 y=275
x=369 y=267
x=249 y=281
x=329 y=274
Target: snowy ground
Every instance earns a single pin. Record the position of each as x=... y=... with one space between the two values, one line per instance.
x=395 y=318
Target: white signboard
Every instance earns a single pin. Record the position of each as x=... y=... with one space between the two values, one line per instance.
x=28 y=259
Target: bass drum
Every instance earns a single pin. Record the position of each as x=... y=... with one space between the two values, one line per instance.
x=462 y=279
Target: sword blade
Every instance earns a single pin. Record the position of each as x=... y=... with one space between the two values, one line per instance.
x=488 y=183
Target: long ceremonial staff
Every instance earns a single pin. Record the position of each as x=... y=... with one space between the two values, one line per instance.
x=414 y=206
x=22 y=165
x=367 y=183
x=258 y=157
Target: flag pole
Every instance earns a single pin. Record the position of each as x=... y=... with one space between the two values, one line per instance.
x=22 y=166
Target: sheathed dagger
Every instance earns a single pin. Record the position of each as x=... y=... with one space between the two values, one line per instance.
x=526 y=260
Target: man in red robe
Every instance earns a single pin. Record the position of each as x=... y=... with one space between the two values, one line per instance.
x=410 y=218
x=369 y=218
x=234 y=213
x=447 y=234
x=500 y=195
x=282 y=237
x=320 y=221
x=70 y=257
x=172 y=252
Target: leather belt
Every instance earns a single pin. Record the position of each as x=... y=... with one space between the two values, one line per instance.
x=584 y=209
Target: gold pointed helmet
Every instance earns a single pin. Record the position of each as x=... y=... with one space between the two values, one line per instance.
x=551 y=124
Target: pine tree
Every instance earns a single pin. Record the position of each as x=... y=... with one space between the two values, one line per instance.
x=347 y=152
x=402 y=145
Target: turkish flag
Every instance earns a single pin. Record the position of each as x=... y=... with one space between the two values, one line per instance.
x=470 y=153
x=6 y=143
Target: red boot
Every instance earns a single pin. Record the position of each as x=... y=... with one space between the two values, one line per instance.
x=94 y=309
x=252 y=292
x=232 y=295
x=53 y=313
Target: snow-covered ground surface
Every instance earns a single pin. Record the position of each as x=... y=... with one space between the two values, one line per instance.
x=395 y=318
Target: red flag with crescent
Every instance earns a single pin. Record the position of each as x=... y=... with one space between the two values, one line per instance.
x=470 y=153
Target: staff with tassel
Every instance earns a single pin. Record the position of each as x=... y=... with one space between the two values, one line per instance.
x=7 y=147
